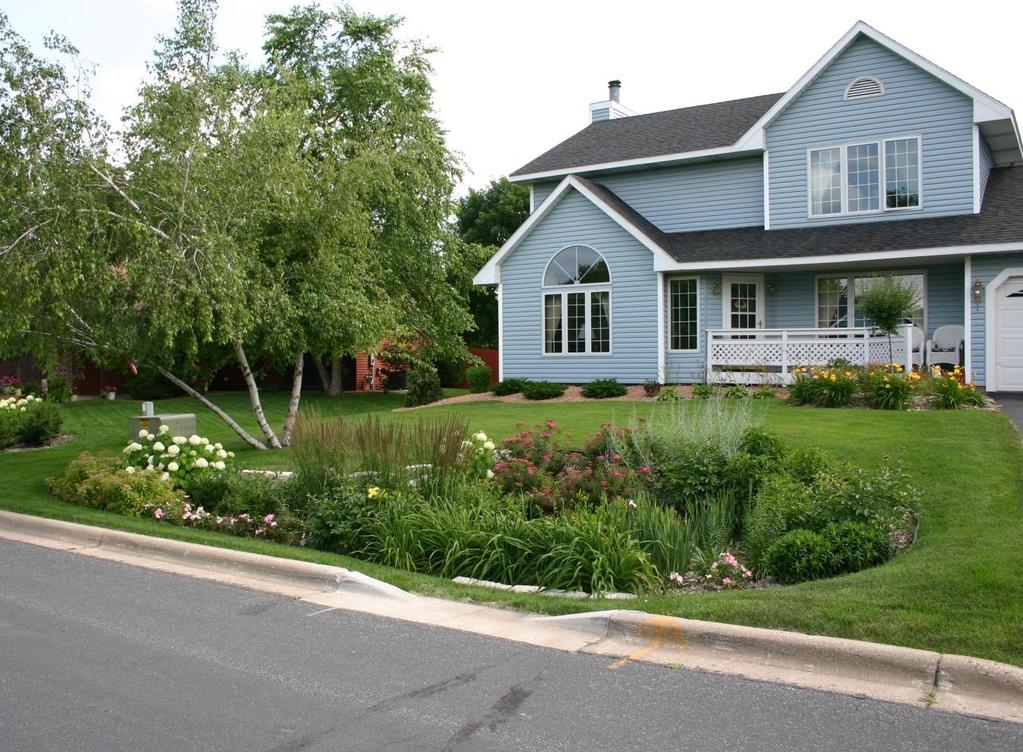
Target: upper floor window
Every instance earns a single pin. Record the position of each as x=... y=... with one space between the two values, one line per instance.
x=852 y=178
x=577 y=303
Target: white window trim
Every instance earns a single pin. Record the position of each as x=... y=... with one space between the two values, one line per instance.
x=882 y=166
x=666 y=291
x=851 y=276
x=564 y=291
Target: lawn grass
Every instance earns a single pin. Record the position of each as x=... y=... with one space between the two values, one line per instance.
x=959 y=589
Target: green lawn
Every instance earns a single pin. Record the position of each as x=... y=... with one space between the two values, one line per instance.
x=959 y=589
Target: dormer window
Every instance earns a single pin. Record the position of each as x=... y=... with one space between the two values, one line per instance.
x=864 y=86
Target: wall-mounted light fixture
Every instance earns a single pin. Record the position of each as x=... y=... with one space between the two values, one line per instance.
x=716 y=288
x=771 y=289
x=978 y=291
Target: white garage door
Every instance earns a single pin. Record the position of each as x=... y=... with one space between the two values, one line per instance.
x=1009 y=356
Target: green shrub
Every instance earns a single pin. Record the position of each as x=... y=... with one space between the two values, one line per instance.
x=150 y=384
x=102 y=482
x=736 y=391
x=604 y=388
x=233 y=493
x=542 y=390
x=667 y=538
x=479 y=378
x=423 y=386
x=764 y=391
x=760 y=442
x=450 y=371
x=805 y=464
x=39 y=424
x=671 y=394
x=856 y=545
x=782 y=504
x=798 y=556
x=66 y=485
x=58 y=390
x=704 y=391
x=651 y=387
x=509 y=386
x=9 y=423
x=339 y=520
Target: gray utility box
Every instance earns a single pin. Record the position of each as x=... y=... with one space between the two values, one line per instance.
x=180 y=424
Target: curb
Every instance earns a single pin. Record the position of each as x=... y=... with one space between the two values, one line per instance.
x=954 y=683
x=302 y=574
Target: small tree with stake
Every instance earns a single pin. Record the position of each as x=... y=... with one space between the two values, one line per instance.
x=887 y=303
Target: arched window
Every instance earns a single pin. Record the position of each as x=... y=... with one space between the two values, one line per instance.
x=577 y=303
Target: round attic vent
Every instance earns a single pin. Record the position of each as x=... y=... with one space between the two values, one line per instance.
x=864 y=86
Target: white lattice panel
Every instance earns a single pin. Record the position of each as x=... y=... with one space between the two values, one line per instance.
x=820 y=353
x=879 y=350
x=742 y=353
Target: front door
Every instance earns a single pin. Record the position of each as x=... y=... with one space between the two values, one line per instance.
x=743 y=301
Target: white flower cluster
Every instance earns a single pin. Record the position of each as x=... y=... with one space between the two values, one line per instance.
x=478 y=451
x=174 y=455
x=19 y=404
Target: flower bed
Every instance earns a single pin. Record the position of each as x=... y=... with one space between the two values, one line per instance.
x=696 y=497
x=883 y=387
x=28 y=421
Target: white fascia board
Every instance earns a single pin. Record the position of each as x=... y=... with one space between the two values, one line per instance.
x=842 y=258
x=985 y=107
x=490 y=274
x=682 y=156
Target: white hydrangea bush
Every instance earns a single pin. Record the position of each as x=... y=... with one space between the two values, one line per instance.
x=176 y=458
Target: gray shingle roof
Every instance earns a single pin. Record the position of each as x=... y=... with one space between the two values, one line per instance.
x=705 y=126
x=1000 y=221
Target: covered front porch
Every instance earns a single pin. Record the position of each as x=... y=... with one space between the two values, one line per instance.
x=758 y=325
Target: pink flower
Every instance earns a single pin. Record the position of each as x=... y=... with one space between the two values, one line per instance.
x=158 y=513
x=270 y=520
x=643 y=469
x=726 y=581
x=551 y=423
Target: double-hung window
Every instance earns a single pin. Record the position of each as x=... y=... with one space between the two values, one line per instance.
x=683 y=331
x=577 y=303
x=873 y=176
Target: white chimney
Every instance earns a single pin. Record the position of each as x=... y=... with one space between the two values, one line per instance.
x=610 y=108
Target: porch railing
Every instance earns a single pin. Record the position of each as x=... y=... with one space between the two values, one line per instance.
x=770 y=355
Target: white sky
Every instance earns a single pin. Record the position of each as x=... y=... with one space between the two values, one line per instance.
x=514 y=78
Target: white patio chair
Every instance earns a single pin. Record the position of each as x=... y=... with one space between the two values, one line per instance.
x=946 y=346
x=918 y=347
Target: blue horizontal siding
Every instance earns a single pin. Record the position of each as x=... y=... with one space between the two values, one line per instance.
x=914 y=103
x=575 y=220
x=985 y=168
x=705 y=196
x=690 y=367
x=541 y=191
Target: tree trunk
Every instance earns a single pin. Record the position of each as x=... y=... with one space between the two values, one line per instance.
x=296 y=395
x=324 y=376
x=257 y=406
x=336 y=385
x=247 y=437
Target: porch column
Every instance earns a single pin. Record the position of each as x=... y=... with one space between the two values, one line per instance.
x=500 y=332
x=968 y=318
x=906 y=330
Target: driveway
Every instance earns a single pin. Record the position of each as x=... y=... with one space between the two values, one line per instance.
x=1012 y=405
x=99 y=657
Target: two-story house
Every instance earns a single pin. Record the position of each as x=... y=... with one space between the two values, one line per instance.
x=732 y=240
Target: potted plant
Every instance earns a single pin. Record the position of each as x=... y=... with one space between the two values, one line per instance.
x=110 y=391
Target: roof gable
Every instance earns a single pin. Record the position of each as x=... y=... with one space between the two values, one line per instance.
x=985 y=107
x=605 y=200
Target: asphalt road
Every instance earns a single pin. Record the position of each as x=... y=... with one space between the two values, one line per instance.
x=97 y=656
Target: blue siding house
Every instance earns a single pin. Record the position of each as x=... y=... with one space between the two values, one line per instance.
x=731 y=241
